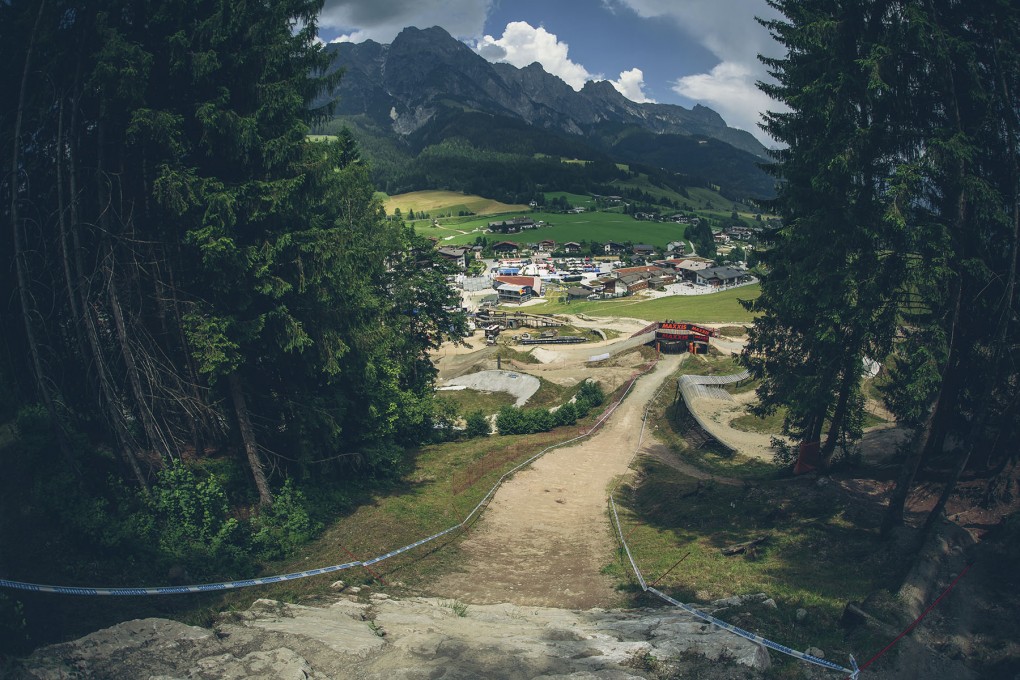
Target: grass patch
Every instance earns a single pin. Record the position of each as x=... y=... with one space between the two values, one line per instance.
x=815 y=558
x=435 y=202
x=468 y=400
x=733 y=331
x=716 y=307
x=770 y=424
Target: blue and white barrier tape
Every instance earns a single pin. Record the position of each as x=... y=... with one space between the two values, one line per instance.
x=853 y=673
x=265 y=580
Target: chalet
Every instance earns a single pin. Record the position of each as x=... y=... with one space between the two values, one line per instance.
x=644 y=216
x=721 y=277
x=721 y=238
x=514 y=294
x=614 y=248
x=676 y=247
x=457 y=256
x=644 y=250
x=546 y=246
x=504 y=247
x=533 y=282
x=576 y=211
x=572 y=247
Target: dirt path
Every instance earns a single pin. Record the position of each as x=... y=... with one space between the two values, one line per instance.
x=546 y=535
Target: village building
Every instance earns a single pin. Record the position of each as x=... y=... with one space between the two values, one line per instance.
x=676 y=247
x=644 y=250
x=457 y=256
x=571 y=247
x=614 y=248
x=513 y=294
x=512 y=226
x=546 y=246
x=533 y=282
x=721 y=277
x=505 y=247
x=688 y=268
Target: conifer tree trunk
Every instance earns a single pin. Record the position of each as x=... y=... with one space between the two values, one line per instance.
x=19 y=257
x=248 y=438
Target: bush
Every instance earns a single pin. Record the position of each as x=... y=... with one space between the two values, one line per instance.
x=192 y=522
x=510 y=420
x=589 y=396
x=566 y=414
x=284 y=525
x=478 y=425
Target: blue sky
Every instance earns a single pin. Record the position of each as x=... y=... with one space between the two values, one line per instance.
x=669 y=51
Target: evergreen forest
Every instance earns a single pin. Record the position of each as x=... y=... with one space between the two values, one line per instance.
x=900 y=207
x=209 y=325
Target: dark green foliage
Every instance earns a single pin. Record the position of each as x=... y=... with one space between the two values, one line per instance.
x=589 y=396
x=190 y=519
x=515 y=420
x=285 y=525
x=900 y=227
x=477 y=425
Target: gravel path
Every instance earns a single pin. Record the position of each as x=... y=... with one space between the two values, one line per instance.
x=546 y=534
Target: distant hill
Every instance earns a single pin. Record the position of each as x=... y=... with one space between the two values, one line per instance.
x=426 y=88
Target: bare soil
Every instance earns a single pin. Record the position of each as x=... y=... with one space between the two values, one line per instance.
x=546 y=535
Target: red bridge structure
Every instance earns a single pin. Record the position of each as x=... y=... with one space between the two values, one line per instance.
x=675 y=337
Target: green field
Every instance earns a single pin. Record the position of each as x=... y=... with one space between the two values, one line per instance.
x=592 y=226
x=721 y=307
x=435 y=202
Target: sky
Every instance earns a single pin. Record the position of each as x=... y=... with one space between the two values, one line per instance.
x=682 y=52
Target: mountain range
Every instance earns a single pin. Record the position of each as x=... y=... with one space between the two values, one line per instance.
x=426 y=87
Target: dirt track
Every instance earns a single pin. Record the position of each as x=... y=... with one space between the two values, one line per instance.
x=546 y=534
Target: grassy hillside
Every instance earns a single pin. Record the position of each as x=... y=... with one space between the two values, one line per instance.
x=716 y=308
x=590 y=226
x=436 y=202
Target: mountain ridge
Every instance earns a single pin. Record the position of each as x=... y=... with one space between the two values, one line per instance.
x=426 y=91
x=408 y=80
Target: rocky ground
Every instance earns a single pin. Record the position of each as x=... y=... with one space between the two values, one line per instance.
x=379 y=638
x=529 y=600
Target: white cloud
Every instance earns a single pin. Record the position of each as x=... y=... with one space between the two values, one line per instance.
x=382 y=20
x=522 y=44
x=730 y=89
x=632 y=86
x=729 y=31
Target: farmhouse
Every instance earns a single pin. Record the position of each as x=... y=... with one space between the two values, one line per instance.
x=644 y=250
x=572 y=247
x=546 y=246
x=676 y=247
x=614 y=248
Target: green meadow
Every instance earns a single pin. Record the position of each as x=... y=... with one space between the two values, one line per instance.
x=719 y=307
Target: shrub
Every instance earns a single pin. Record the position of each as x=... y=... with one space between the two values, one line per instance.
x=566 y=414
x=284 y=525
x=192 y=522
x=478 y=424
x=588 y=397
